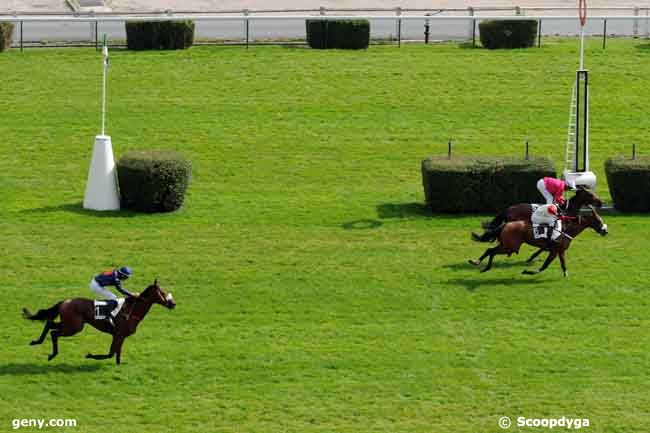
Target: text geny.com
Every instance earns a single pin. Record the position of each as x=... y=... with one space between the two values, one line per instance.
x=40 y=423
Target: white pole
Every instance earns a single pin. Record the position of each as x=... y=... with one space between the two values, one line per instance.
x=582 y=14
x=105 y=54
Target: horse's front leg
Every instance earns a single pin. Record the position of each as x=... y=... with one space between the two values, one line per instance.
x=111 y=352
x=535 y=254
x=549 y=259
x=563 y=263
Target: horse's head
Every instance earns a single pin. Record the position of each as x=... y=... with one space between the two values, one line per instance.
x=594 y=221
x=157 y=295
x=586 y=197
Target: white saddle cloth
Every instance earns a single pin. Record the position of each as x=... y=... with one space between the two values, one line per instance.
x=99 y=311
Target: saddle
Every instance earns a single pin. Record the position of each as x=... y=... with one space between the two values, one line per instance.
x=104 y=308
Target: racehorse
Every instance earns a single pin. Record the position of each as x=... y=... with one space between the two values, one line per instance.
x=513 y=234
x=523 y=211
x=75 y=313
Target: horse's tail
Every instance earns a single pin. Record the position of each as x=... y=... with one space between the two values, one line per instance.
x=45 y=314
x=490 y=234
x=496 y=221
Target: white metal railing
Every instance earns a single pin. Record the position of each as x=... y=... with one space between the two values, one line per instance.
x=469 y=15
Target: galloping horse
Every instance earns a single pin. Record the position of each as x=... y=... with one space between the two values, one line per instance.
x=76 y=312
x=523 y=211
x=513 y=234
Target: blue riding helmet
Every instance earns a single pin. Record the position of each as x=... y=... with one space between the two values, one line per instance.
x=125 y=272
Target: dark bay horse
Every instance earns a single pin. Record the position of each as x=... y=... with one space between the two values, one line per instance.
x=75 y=313
x=513 y=234
x=523 y=211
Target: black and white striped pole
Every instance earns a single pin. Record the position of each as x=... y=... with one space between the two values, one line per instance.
x=101 y=188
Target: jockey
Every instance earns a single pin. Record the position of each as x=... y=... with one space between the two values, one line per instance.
x=553 y=189
x=111 y=278
x=548 y=215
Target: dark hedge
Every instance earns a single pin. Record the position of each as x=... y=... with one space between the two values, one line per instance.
x=343 y=34
x=153 y=180
x=159 y=35
x=6 y=32
x=629 y=183
x=508 y=34
x=480 y=184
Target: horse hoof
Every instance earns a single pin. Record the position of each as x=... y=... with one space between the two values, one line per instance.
x=527 y=272
x=89 y=356
x=473 y=262
x=33 y=343
x=51 y=357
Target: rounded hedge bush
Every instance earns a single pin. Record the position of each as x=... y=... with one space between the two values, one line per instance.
x=482 y=184
x=159 y=35
x=6 y=32
x=629 y=183
x=507 y=33
x=153 y=180
x=343 y=34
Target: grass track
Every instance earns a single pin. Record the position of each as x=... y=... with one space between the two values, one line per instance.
x=314 y=295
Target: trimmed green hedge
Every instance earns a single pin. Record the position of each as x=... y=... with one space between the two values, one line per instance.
x=629 y=183
x=478 y=184
x=508 y=34
x=153 y=180
x=344 y=34
x=159 y=35
x=6 y=32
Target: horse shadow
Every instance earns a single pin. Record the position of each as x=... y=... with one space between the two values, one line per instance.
x=472 y=284
x=388 y=211
x=79 y=209
x=31 y=368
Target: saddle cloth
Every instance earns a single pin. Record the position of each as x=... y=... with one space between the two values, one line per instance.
x=542 y=231
x=104 y=308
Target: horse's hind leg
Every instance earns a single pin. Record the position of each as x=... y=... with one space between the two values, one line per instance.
x=492 y=252
x=62 y=330
x=480 y=259
x=55 y=344
x=48 y=325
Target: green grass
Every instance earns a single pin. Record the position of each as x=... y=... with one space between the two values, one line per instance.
x=313 y=293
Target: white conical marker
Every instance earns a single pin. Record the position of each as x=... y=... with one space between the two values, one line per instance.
x=101 y=187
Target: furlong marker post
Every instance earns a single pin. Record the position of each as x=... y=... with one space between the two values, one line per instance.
x=577 y=155
x=101 y=188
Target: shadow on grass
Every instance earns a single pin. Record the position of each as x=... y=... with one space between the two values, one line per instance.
x=362 y=224
x=402 y=210
x=495 y=265
x=643 y=47
x=31 y=368
x=79 y=209
x=484 y=280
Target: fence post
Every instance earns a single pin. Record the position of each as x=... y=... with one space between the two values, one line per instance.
x=427 y=27
x=322 y=10
x=21 y=36
x=539 y=33
x=398 y=13
x=247 y=28
x=635 y=30
x=449 y=149
x=470 y=12
x=604 y=32
x=517 y=10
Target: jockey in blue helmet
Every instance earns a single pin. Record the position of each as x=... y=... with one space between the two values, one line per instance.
x=113 y=278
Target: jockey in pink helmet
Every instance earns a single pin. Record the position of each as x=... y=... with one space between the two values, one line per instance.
x=553 y=189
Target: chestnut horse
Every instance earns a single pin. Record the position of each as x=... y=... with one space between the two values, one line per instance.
x=513 y=234
x=76 y=312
